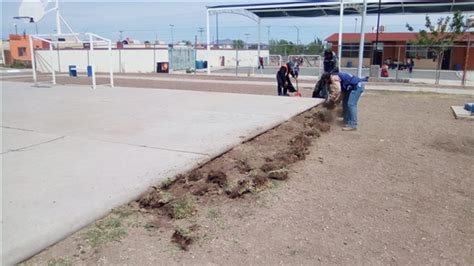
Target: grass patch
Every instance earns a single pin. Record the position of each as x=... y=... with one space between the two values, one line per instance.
x=59 y=262
x=182 y=208
x=122 y=211
x=105 y=231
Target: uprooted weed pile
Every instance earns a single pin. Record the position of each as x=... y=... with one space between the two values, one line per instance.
x=247 y=168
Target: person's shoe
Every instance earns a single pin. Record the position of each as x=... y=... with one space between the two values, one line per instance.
x=347 y=128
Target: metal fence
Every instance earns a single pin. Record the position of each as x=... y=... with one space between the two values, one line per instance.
x=408 y=61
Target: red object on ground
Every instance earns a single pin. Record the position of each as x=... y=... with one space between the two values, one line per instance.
x=297 y=94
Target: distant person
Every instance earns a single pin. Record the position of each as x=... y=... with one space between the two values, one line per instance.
x=330 y=61
x=260 y=62
x=297 y=63
x=410 y=65
x=283 y=79
x=348 y=88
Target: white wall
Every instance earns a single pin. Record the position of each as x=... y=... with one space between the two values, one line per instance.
x=136 y=60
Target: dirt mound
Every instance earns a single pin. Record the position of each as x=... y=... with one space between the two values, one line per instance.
x=454 y=144
x=245 y=169
x=154 y=198
x=217 y=177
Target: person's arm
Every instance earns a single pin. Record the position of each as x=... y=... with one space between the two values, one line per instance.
x=335 y=91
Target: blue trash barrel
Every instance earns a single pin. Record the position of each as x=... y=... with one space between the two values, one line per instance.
x=204 y=65
x=72 y=71
x=199 y=64
x=89 y=71
x=349 y=64
x=457 y=67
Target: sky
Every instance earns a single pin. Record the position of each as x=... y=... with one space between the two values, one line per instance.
x=150 y=20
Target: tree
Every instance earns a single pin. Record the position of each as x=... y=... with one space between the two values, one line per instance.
x=439 y=37
x=239 y=44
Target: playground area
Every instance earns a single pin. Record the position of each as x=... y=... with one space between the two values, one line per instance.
x=395 y=191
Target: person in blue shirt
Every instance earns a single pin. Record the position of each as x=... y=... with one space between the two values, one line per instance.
x=348 y=88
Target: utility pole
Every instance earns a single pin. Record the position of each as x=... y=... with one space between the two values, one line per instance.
x=268 y=34
x=201 y=30
x=121 y=35
x=297 y=35
x=355 y=26
x=247 y=39
x=172 y=38
x=16 y=29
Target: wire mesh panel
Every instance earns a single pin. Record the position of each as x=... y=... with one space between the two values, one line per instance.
x=182 y=58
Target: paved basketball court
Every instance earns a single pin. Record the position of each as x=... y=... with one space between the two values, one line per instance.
x=70 y=154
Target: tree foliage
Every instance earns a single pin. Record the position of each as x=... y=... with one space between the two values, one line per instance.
x=440 y=36
x=284 y=47
x=239 y=44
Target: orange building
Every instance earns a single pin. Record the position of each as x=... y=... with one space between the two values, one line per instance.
x=20 y=47
x=398 y=46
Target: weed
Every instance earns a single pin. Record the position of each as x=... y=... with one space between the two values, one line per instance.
x=213 y=214
x=59 y=262
x=122 y=211
x=105 y=231
x=182 y=207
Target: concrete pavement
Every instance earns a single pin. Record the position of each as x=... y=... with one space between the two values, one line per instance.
x=70 y=154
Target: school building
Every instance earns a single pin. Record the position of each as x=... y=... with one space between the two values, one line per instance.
x=398 y=46
x=20 y=47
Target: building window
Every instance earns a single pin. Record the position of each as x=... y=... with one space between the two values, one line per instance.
x=21 y=51
x=352 y=50
x=420 y=52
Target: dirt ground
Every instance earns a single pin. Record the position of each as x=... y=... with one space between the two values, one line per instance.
x=399 y=190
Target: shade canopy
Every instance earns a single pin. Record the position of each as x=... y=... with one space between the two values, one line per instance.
x=317 y=8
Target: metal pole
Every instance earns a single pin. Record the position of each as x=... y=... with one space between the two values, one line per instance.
x=236 y=61
x=111 y=65
x=217 y=30
x=53 y=72
x=377 y=34
x=58 y=19
x=398 y=62
x=208 y=47
x=355 y=26
x=33 y=61
x=362 y=39
x=339 y=43
x=268 y=34
x=466 y=59
x=16 y=29
x=92 y=60
x=258 y=45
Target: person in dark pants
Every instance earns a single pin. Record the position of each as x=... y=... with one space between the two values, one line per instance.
x=283 y=79
x=348 y=88
x=260 y=63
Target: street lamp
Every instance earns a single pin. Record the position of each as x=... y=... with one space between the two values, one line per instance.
x=355 y=27
x=16 y=29
x=30 y=20
x=172 y=38
x=268 y=33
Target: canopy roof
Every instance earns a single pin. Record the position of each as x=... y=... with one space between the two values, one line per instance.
x=317 y=8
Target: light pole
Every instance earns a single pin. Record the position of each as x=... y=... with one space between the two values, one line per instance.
x=355 y=27
x=297 y=35
x=121 y=35
x=201 y=30
x=469 y=24
x=247 y=39
x=16 y=29
x=172 y=38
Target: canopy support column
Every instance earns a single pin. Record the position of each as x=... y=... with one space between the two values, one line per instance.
x=362 y=40
x=339 y=43
x=208 y=46
x=33 y=60
x=259 y=41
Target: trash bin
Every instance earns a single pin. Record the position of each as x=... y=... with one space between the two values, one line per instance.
x=457 y=67
x=162 y=67
x=72 y=71
x=349 y=64
x=204 y=64
x=199 y=64
x=89 y=71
